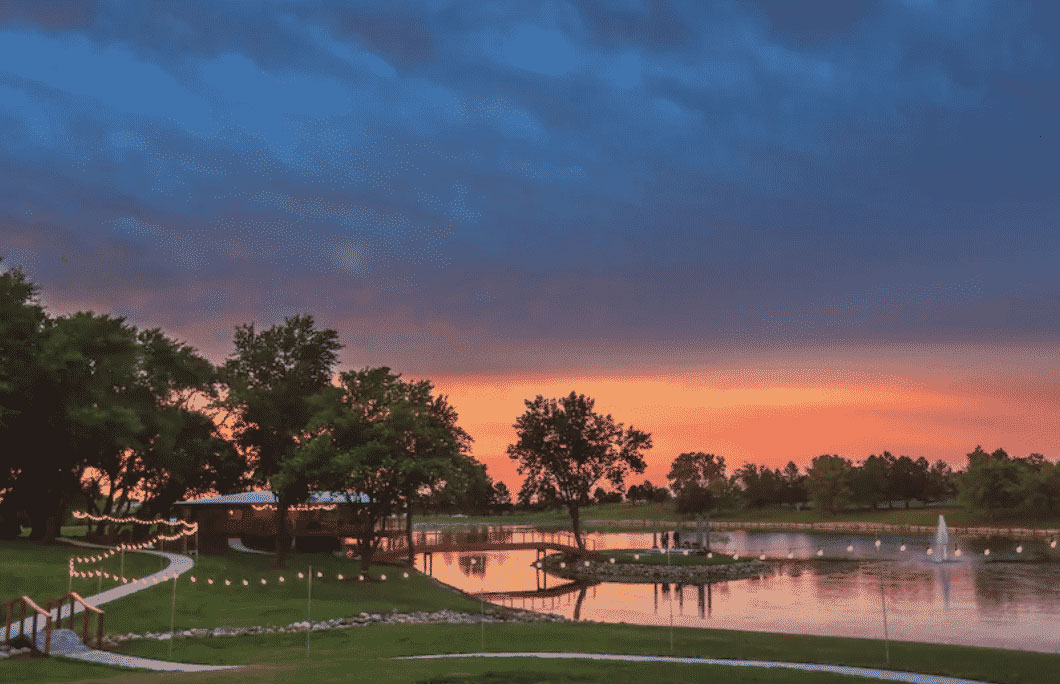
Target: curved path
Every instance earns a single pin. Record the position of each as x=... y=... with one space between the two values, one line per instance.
x=866 y=672
x=65 y=642
x=236 y=544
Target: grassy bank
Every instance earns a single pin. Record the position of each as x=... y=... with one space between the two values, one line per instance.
x=626 y=516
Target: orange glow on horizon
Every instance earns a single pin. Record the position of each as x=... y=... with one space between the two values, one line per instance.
x=767 y=422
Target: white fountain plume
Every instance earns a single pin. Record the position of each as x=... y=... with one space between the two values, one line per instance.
x=942 y=541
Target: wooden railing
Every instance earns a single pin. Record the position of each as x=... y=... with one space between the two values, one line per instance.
x=74 y=598
x=23 y=603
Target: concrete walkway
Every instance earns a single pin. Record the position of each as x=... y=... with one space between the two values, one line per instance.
x=866 y=672
x=236 y=544
x=67 y=644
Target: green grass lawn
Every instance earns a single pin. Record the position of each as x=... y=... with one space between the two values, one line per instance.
x=39 y=571
x=627 y=516
x=361 y=653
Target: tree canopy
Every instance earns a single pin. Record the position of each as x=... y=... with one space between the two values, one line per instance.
x=565 y=449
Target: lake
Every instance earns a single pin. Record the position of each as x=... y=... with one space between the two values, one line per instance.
x=835 y=584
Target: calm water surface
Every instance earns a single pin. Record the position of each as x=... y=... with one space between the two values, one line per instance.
x=1006 y=599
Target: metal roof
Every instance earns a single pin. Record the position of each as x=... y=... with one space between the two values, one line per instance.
x=266 y=497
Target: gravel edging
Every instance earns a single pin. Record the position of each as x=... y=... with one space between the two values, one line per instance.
x=447 y=617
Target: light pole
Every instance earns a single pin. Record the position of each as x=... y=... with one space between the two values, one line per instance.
x=172 y=615
x=482 y=604
x=883 y=605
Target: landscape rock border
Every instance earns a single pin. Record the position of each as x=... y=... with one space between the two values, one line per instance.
x=451 y=617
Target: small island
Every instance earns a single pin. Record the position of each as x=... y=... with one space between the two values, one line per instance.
x=649 y=566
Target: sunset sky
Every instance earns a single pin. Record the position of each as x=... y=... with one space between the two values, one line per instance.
x=769 y=230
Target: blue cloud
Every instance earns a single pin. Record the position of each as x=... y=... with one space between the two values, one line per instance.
x=656 y=170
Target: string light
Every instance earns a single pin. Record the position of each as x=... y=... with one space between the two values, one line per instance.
x=986 y=552
x=902 y=547
x=405 y=575
x=382 y=577
x=1019 y=549
x=820 y=552
x=297 y=507
x=850 y=547
x=956 y=552
x=340 y=577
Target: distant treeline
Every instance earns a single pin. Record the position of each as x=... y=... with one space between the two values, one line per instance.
x=993 y=483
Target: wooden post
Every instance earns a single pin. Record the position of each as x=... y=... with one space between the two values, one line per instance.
x=172 y=615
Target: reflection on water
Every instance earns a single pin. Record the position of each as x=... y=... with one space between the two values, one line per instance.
x=1007 y=599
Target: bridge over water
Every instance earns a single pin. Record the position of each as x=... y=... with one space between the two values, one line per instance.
x=436 y=541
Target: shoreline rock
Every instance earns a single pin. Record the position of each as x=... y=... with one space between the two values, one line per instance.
x=360 y=620
x=638 y=573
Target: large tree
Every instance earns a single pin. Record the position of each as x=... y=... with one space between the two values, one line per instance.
x=992 y=482
x=82 y=413
x=699 y=483
x=177 y=450
x=22 y=320
x=564 y=449
x=388 y=443
x=828 y=483
x=272 y=378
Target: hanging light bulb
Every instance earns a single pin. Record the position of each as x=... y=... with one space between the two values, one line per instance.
x=820 y=552
x=382 y=577
x=986 y=552
x=405 y=575
x=902 y=547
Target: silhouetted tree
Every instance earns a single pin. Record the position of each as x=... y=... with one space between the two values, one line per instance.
x=272 y=378
x=564 y=449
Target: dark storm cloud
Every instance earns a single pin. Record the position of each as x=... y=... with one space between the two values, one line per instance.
x=453 y=180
